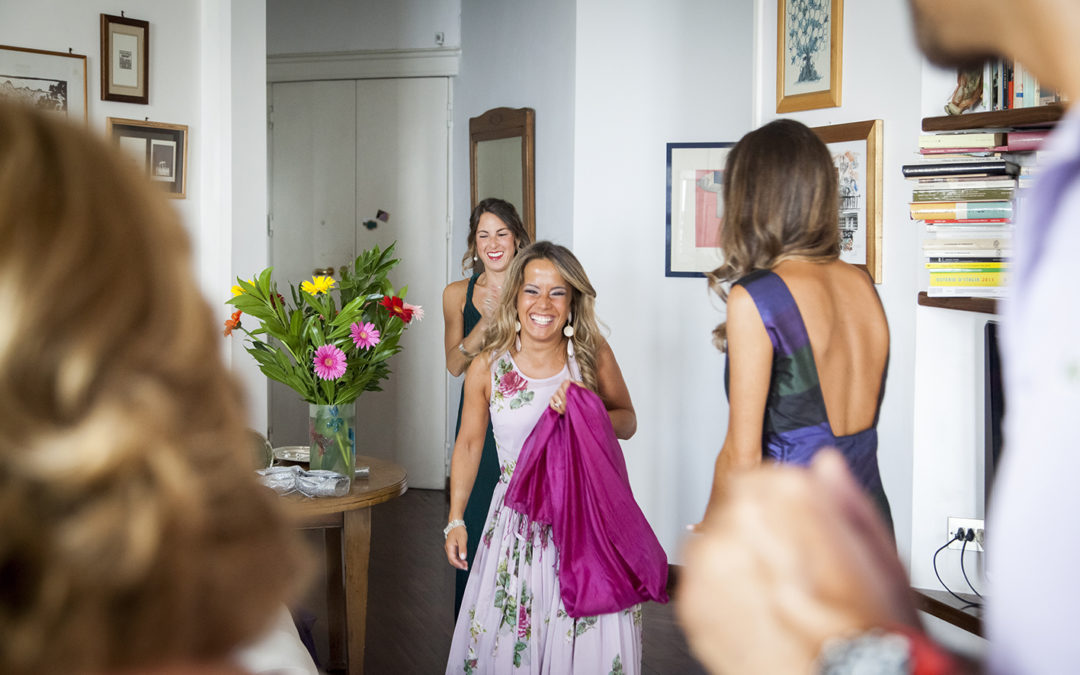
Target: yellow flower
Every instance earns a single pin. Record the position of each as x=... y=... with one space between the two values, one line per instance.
x=237 y=290
x=318 y=285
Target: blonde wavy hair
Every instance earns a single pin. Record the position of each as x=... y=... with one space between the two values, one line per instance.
x=134 y=534
x=781 y=201
x=502 y=333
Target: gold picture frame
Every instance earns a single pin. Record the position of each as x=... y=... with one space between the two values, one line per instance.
x=801 y=37
x=160 y=148
x=856 y=148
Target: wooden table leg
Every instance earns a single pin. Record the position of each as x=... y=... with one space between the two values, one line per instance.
x=335 y=599
x=356 y=543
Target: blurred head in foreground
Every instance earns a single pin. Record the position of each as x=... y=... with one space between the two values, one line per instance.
x=132 y=534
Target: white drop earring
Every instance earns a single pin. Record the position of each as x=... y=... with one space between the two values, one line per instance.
x=517 y=326
x=568 y=330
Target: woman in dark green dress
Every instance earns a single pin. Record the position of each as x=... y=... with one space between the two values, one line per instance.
x=496 y=234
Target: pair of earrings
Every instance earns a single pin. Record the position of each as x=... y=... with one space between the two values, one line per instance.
x=567 y=330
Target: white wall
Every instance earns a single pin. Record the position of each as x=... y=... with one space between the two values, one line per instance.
x=948 y=415
x=203 y=55
x=518 y=55
x=302 y=26
x=649 y=73
x=244 y=168
x=57 y=25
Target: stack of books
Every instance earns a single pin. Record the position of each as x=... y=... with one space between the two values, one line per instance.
x=964 y=196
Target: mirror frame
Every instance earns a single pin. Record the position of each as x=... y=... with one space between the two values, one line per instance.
x=508 y=123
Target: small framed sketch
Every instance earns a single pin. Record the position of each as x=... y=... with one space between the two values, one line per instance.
x=856 y=152
x=125 y=59
x=695 y=206
x=809 y=54
x=52 y=81
x=161 y=149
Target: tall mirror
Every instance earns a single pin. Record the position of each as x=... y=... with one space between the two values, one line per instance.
x=501 y=160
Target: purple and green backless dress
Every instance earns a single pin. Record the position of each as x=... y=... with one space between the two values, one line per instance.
x=796 y=423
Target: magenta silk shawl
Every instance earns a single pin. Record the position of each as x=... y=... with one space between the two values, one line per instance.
x=571 y=474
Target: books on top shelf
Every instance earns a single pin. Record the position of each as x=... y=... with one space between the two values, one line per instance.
x=1006 y=85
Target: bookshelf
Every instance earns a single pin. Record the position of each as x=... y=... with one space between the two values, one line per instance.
x=1016 y=118
x=984 y=305
x=1040 y=116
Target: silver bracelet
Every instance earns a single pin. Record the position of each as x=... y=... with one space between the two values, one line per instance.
x=451 y=525
x=461 y=348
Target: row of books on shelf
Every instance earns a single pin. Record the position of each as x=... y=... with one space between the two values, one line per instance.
x=1006 y=84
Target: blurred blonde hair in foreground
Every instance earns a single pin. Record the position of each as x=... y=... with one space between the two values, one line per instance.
x=133 y=534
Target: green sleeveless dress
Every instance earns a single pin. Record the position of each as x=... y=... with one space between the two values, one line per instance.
x=487 y=475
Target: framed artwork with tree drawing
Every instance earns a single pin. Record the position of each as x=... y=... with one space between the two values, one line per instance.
x=809 y=54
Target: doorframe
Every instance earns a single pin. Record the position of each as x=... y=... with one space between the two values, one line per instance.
x=373 y=64
x=362 y=65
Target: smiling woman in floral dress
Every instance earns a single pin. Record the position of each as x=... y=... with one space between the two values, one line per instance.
x=496 y=234
x=513 y=619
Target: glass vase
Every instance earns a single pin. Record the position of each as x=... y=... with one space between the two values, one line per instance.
x=332 y=429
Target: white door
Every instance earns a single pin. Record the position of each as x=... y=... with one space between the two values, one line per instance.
x=340 y=152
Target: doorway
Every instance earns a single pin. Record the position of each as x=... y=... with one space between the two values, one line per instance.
x=341 y=151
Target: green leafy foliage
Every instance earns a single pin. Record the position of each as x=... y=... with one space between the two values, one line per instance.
x=290 y=330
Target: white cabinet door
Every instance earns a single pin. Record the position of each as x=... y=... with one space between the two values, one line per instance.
x=340 y=152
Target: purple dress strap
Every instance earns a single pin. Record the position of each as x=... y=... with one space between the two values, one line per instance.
x=572 y=475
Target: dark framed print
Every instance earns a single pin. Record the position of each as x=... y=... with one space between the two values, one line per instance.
x=809 y=54
x=52 y=81
x=159 y=148
x=856 y=151
x=125 y=59
x=695 y=206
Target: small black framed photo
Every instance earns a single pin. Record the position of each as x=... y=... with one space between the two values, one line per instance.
x=125 y=59
x=159 y=148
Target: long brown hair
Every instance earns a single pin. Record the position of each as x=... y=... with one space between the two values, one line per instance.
x=134 y=533
x=781 y=201
x=504 y=211
x=587 y=338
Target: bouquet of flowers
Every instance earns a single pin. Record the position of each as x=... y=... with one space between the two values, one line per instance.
x=329 y=352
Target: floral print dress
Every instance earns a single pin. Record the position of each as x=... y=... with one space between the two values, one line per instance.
x=512 y=617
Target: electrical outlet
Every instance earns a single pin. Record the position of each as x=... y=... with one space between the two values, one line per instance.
x=975 y=524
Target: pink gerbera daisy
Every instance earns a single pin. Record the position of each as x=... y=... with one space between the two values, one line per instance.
x=329 y=362
x=364 y=335
x=417 y=311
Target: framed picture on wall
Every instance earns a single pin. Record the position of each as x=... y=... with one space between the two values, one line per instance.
x=809 y=54
x=159 y=148
x=52 y=81
x=125 y=59
x=695 y=205
x=856 y=152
